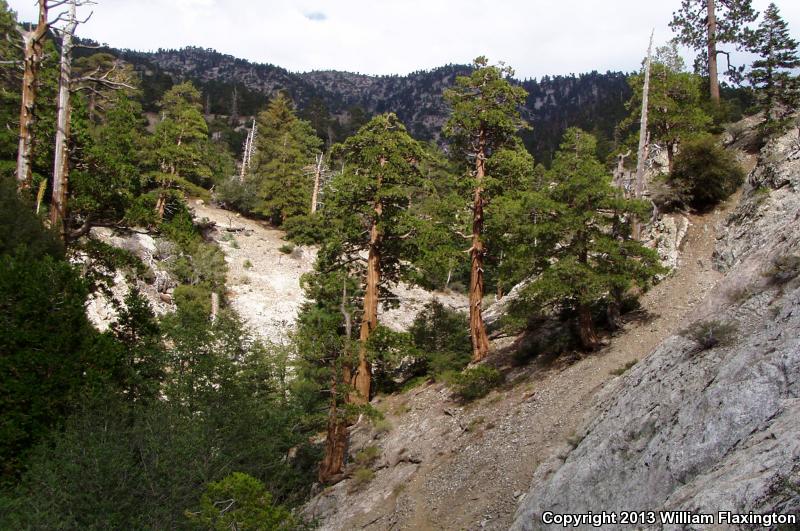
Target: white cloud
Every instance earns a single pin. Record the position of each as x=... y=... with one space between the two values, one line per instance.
x=536 y=37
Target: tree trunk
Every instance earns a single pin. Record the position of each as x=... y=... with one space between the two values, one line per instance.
x=161 y=203
x=317 y=178
x=58 y=206
x=712 y=51
x=332 y=465
x=589 y=339
x=641 y=153
x=670 y=156
x=33 y=51
x=477 y=329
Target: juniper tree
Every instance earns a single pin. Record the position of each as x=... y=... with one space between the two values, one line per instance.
x=367 y=208
x=777 y=89
x=705 y=24
x=484 y=118
x=582 y=246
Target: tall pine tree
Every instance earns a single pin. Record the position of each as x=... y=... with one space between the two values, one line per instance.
x=705 y=24
x=777 y=89
x=582 y=245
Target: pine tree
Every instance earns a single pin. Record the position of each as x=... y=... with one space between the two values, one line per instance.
x=705 y=24
x=675 y=113
x=285 y=151
x=485 y=117
x=180 y=143
x=582 y=244
x=778 y=91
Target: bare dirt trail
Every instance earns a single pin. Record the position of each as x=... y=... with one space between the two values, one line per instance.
x=474 y=463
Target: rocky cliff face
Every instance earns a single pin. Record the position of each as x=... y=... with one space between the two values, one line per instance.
x=709 y=420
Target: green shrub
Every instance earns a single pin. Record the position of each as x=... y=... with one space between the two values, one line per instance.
x=286 y=248
x=622 y=370
x=242 y=502
x=783 y=269
x=475 y=382
x=367 y=456
x=710 y=334
x=237 y=195
x=247 y=264
x=442 y=335
x=361 y=478
x=704 y=173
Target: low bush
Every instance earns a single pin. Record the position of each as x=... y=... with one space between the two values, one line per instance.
x=475 y=382
x=360 y=479
x=710 y=334
x=239 y=501
x=783 y=269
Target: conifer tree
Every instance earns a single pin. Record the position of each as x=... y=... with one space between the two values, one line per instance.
x=582 y=244
x=705 y=24
x=778 y=91
x=180 y=143
x=367 y=210
x=371 y=202
x=286 y=147
x=485 y=117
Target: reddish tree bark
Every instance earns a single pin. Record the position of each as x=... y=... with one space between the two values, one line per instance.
x=477 y=328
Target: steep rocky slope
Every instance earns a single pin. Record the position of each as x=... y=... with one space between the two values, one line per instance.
x=444 y=465
x=705 y=428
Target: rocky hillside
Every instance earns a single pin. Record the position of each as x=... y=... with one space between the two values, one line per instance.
x=710 y=420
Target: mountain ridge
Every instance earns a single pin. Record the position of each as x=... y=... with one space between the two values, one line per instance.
x=594 y=101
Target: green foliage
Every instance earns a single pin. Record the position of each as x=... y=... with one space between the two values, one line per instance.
x=380 y=176
x=179 y=145
x=624 y=368
x=285 y=150
x=241 y=502
x=140 y=464
x=361 y=478
x=579 y=247
x=286 y=248
x=704 y=173
x=712 y=333
x=367 y=456
x=675 y=113
x=475 y=382
x=777 y=88
x=441 y=336
x=732 y=17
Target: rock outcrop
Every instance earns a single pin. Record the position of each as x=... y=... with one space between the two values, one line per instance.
x=699 y=426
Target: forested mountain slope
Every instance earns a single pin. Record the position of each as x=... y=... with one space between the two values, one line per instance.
x=593 y=101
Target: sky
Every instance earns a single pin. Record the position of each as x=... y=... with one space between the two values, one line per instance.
x=535 y=37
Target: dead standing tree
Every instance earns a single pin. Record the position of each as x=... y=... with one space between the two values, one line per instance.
x=641 y=153
x=248 y=150
x=66 y=85
x=33 y=54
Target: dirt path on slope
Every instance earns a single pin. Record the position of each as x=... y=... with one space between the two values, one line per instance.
x=477 y=461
